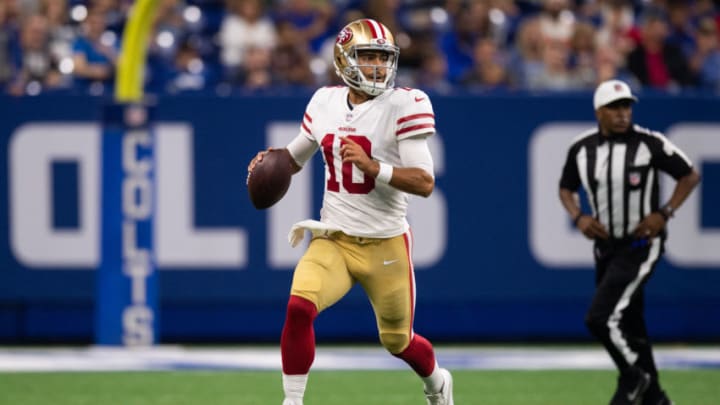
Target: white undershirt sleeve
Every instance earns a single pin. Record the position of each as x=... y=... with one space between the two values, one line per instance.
x=302 y=149
x=414 y=152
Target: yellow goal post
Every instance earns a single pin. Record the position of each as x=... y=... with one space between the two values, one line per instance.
x=130 y=78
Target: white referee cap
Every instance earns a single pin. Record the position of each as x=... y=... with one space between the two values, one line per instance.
x=610 y=91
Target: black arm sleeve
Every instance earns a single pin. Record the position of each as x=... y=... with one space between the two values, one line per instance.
x=570 y=178
x=669 y=158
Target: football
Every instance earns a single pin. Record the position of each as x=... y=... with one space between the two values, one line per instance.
x=269 y=180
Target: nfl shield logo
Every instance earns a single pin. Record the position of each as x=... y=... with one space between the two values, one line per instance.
x=348 y=117
x=634 y=178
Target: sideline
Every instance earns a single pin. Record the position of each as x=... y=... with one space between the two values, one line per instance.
x=158 y=358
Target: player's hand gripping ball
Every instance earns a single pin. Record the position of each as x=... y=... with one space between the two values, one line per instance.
x=269 y=180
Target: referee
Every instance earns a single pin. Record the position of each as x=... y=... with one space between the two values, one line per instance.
x=617 y=165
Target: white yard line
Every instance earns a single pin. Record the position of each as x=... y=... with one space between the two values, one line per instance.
x=331 y=358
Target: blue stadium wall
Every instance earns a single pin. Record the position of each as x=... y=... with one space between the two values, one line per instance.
x=496 y=258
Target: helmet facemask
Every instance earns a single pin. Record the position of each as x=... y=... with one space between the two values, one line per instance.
x=353 y=73
x=366 y=35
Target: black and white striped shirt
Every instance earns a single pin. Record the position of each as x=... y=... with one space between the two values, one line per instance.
x=620 y=174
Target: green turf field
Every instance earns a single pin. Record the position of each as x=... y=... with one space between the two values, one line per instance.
x=571 y=387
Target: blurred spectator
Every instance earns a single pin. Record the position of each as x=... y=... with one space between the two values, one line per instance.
x=582 y=55
x=681 y=30
x=412 y=35
x=387 y=11
x=555 y=74
x=537 y=44
x=488 y=71
x=557 y=20
x=113 y=11
x=432 y=74
x=705 y=61
x=189 y=72
x=494 y=77
x=656 y=63
x=94 y=54
x=7 y=37
x=616 y=23
x=707 y=8
x=36 y=69
x=312 y=21
x=610 y=64
x=27 y=7
x=505 y=17
x=170 y=43
x=14 y=10
x=255 y=73
x=453 y=7
x=244 y=26
x=291 y=58
x=525 y=58
x=61 y=33
x=472 y=22
x=169 y=28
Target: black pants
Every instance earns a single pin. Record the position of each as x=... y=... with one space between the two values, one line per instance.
x=616 y=315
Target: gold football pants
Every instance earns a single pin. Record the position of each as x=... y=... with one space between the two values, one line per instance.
x=333 y=264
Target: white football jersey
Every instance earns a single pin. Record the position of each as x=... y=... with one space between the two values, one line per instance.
x=353 y=201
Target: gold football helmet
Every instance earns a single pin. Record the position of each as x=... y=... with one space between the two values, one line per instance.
x=366 y=34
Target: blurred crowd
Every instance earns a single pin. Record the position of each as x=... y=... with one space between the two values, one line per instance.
x=255 y=46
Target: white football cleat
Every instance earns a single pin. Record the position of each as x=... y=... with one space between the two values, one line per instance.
x=288 y=401
x=445 y=396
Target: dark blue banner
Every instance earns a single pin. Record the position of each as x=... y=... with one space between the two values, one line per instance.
x=496 y=256
x=127 y=296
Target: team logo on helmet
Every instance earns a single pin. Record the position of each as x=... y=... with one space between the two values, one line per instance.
x=618 y=87
x=344 y=36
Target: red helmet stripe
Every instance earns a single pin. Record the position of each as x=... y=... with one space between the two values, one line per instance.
x=376 y=28
x=382 y=30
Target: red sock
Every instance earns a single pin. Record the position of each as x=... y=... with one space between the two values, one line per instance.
x=297 y=343
x=419 y=355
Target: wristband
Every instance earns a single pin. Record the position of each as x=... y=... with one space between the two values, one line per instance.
x=577 y=218
x=385 y=173
x=666 y=211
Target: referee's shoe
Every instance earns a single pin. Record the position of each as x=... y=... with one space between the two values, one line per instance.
x=656 y=398
x=632 y=384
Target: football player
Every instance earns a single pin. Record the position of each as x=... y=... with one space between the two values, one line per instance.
x=373 y=140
